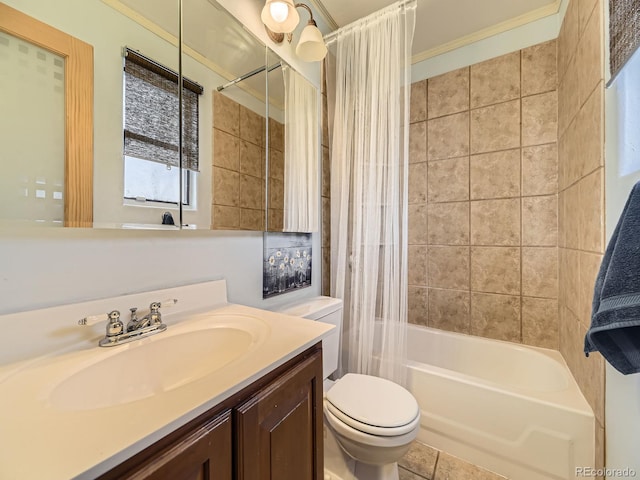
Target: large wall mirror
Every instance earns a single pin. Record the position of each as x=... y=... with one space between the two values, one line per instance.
x=232 y=179
x=40 y=181
x=232 y=64
x=276 y=131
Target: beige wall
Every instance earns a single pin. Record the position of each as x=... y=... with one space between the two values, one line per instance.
x=239 y=167
x=581 y=191
x=483 y=250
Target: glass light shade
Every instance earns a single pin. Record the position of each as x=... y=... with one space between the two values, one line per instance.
x=279 y=11
x=311 y=47
x=280 y=16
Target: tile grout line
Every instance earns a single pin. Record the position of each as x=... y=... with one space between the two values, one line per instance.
x=426 y=196
x=435 y=465
x=469 y=203
x=521 y=206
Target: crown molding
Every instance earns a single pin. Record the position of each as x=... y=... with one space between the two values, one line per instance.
x=319 y=6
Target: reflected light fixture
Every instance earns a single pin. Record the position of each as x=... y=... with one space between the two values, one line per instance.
x=280 y=17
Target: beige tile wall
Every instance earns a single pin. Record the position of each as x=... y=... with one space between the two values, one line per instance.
x=483 y=199
x=581 y=191
x=239 y=167
x=276 y=176
x=506 y=201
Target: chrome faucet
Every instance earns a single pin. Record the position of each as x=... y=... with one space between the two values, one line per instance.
x=115 y=328
x=117 y=334
x=154 y=317
x=133 y=321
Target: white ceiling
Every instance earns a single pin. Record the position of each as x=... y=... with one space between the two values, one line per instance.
x=218 y=40
x=443 y=24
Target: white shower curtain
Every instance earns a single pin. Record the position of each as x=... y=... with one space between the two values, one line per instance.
x=368 y=82
x=300 y=153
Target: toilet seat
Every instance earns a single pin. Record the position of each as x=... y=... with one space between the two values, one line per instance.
x=355 y=435
x=370 y=429
x=372 y=405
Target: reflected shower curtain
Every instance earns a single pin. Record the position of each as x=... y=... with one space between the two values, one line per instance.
x=369 y=82
x=301 y=154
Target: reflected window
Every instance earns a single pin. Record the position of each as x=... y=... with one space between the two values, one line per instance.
x=147 y=181
x=628 y=96
x=152 y=132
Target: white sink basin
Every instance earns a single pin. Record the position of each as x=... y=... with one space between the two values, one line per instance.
x=106 y=404
x=158 y=364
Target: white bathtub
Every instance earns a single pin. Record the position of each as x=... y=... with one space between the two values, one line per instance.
x=512 y=409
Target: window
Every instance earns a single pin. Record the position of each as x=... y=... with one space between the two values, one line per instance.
x=151 y=132
x=152 y=181
x=628 y=95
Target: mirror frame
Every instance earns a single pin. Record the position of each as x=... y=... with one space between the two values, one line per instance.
x=78 y=86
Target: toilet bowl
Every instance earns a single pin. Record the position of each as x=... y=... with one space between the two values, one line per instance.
x=372 y=420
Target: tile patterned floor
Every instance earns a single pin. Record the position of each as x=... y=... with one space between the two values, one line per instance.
x=423 y=462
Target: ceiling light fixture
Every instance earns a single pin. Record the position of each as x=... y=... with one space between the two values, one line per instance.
x=280 y=17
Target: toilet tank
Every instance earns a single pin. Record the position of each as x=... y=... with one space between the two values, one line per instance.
x=326 y=310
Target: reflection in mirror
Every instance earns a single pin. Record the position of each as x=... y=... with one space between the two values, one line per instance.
x=239 y=152
x=276 y=135
x=105 y=26
x=246 y=186
x=152 y=134
x=221 y=52
x=293 y=152
x=227 y=190
x=46 y=123
x=234 y=187
x=301 y=154
x=149 y=168
x=32 y=181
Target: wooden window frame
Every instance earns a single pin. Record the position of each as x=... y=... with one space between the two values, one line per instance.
x=78 y=94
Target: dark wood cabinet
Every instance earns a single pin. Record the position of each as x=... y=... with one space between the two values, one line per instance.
x=279 y=430
x=204 y=454
x=270 y=430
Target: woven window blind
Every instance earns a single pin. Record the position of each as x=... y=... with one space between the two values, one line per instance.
x=624 y=32
x=151 y=130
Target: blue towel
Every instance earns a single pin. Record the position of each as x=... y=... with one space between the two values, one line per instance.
x=615 y=317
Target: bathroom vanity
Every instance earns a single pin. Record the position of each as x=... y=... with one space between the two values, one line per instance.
x=227 y=391
x=270 y=430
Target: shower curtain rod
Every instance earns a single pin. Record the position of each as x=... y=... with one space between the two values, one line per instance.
x=249 y=75
x=331 y=37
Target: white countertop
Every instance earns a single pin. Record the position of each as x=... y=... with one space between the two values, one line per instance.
x=40 y=439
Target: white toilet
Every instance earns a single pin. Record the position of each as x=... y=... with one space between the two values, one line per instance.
x=371 y=419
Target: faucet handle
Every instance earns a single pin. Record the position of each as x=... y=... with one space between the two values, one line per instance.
x=115 y=326
x=154 y=307
x=93 y=319
x=170 y=302
x=155 y=316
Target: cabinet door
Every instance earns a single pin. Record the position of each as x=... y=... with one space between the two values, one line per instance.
x=279 y=430
x=204 y=454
